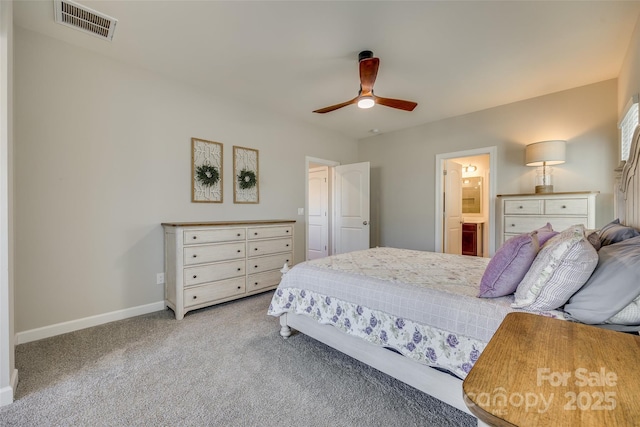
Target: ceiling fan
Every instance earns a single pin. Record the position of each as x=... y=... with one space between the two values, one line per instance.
x=366 y=99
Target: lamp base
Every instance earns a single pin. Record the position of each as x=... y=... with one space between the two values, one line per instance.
x=544 y=189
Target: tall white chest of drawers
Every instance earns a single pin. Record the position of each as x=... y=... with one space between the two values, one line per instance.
x=523 y=213
x=209 y=263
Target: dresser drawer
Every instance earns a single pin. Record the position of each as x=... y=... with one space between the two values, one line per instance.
x=215 y=235
x=265 y=247
x=524 y=224
x=522 y=207
x=519 y=225
x=566 y=207
x=263 y=280
x=269 y=232
x=560 y=223
x=508 y=236
x=213 y=253
x=212 y=272
x=213 y=291
x=271 y=262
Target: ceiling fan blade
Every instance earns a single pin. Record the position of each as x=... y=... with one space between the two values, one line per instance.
x=335 y=107
x=396 y=103
x=368 y=73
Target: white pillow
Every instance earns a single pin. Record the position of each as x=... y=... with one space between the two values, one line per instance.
x=561 y=267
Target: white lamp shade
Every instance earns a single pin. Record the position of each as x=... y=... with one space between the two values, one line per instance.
x=545 y=153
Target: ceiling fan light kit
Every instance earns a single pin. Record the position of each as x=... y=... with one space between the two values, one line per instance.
x=366 y=102
x=366 y=99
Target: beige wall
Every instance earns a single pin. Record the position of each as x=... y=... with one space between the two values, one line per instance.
x=403 y=162
x=103 y=157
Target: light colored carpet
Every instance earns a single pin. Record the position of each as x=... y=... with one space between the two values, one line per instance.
x=221 y=366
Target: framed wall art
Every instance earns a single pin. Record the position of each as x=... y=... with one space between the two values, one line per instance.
x=246 y=188
x=206 y=171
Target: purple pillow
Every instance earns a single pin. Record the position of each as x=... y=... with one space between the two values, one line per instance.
x=511 y=262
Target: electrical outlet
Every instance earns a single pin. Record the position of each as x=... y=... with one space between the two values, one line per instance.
x=160 y=279
x=300 y=211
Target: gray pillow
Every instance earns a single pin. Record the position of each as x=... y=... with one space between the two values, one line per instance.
x=615 y=232
x=613 y=285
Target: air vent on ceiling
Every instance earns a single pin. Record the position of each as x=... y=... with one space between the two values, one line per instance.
x=82 y=18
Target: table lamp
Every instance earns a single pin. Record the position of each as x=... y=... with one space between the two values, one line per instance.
x=544 y=154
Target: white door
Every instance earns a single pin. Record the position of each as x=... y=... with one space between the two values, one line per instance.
x=452 y=208
x=351 y=201
x=318 y=245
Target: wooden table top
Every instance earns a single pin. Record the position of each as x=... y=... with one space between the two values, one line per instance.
x=539 y=371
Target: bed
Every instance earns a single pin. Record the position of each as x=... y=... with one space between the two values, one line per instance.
x=416 y=315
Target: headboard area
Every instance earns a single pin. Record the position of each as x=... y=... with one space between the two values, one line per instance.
x=627 y=186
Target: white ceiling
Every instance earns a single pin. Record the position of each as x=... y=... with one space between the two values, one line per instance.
x=451 y=57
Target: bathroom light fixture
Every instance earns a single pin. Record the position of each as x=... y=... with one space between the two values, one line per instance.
x=366 y=102
x=545 y=154
x=469 y=168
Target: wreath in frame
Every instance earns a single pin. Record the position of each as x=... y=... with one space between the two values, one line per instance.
x=247 y=179
x=207 y=175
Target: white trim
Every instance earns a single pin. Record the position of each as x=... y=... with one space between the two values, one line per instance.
x=493 y=169
x=438 y=384
x=6 y=393
x=87 y=322
x=627 y=125
x=7 y=345
x=630 y=102
x=330 y=164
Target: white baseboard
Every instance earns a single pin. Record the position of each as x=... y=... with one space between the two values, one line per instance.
x=87 y=322
x=7 y=393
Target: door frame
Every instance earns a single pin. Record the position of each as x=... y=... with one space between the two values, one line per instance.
x=330 y=164
x=493 y=171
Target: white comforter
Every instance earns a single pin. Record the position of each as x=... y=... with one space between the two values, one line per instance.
x=422 y=304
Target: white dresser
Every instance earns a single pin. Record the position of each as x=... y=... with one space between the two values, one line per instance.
x=208 y=263
x=523 y=213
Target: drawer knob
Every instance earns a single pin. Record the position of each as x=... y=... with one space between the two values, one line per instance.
x=194 y=297
x=255 y=234
x=239 y=251
x=513 y=225
x=287 y=231
x=520 y=207
x=287 y=260
x=255 y=249
x=239 y=287
x=564 y=207
x=195 y=237
x=239 y=269
x=238 y=234
x=195 y=256
x=256 y=283
x=194 y=276
x=287 y=245
x=255 y=266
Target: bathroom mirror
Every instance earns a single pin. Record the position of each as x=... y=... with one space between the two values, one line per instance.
x=472 y=195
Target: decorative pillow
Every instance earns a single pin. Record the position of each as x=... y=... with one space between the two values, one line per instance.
x=511 y=262
x=614 y=284
x=615 y=232
x=594 y=238
x=561 y=268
